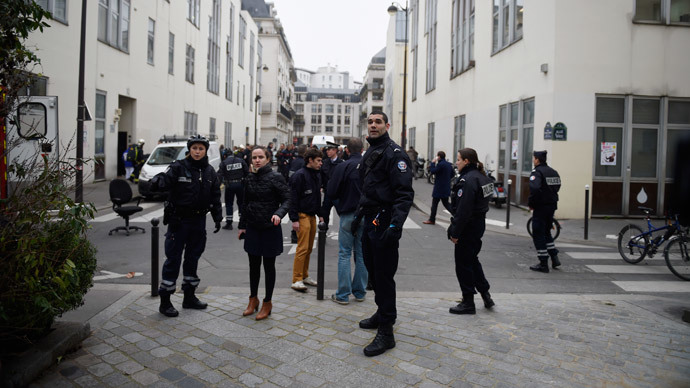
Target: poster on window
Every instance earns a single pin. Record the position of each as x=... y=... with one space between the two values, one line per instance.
x=608 y=153
x=514 y=150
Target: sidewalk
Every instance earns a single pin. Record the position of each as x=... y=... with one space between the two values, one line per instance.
x=526 y=340
x=572 y=230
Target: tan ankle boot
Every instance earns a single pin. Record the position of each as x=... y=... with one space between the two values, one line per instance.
x=252 y=306
x=265 y=311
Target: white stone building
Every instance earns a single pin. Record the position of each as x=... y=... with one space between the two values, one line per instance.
x=153 y=68
x=332 y=112
x=499 y=75
x=276 y=103
x=371 y=92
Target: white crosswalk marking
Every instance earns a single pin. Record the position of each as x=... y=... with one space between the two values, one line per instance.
x=409 y=224
x=286 y=219
x=594 y=255
x=654 y=286
x=631 y=269
x=112 y=215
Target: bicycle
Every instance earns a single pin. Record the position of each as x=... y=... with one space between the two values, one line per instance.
x=677 y=256
x=634 y=244
x=555 y=228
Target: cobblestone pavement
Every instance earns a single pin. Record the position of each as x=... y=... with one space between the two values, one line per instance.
x=526 y=340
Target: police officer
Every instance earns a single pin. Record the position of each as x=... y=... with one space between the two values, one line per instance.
x=544 y=183
x=330 y=161
x=194 y=190
x=470 y=202
x=232 y=171
x=387 y=195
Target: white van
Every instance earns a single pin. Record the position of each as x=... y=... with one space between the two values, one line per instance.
x=163 y=155
x=321 y=141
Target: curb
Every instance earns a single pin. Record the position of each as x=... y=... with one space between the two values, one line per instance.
x=23 y=369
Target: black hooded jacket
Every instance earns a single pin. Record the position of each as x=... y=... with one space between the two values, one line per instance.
x=265 y=194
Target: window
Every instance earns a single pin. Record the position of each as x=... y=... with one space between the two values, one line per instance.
x=315 y=129
x=212 y=128
x=662 y=11
x=458 y=137
x=400 y=27
x=430 y=32
x=527 y=134
x=507 y=23
x=329 y=128
x=228 y=55
x=228 y=135
x=113 y=23
x=316 y=119
x=430 y=140
x=189 y=64
x=171 y=53
x=329 y=119
x=213 y=60
x=243 y=37
x=252 y=68
x=338 y=120
x=57 y=8
x=193 y=11
x=340 y=109
x=462 y=37
x=190 y=120
x=151 y=38
x=412 y=136
x=99 y=132
x=347 y=120
x=329 y=108
x=414 y=46
x=348 y=109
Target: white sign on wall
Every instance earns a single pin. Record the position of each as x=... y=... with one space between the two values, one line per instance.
x=514 y=150
x=608 y=153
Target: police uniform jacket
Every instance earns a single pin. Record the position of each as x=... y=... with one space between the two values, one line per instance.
x=386 y=177
x=344 y=186
x=444 y=172
x=544 y=184
x=265 y=194
x=305 y=191
x=233 y=168
x=193 y=186
x=328 y=167
x=470 y=199
x=296 y=164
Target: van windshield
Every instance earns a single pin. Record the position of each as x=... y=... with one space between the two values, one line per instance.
x=162 y=156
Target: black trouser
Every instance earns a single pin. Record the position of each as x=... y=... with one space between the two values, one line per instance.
x=255 y=275
x=434 y=206
x=326 y=208
x=381 y=260
x=542 y=219
x=468 y=269
x=188 y=235
x=233 y=189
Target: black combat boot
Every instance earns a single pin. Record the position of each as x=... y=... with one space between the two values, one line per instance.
x=542 y=266
x=383 y=341
x=293 y=237
x=228 y=225
x=371 y=322
x=555 y=262
x=190 y=300
x=465 y=307
x=488 y=302
x=166 y=308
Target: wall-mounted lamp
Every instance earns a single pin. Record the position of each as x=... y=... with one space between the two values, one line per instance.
x=544 y=68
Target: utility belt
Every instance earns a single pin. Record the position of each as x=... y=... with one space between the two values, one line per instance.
x=172 y=214
x=233 y=181
x=373 y=210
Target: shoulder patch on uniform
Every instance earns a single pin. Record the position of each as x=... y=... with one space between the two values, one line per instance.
x=553 y=181
x=462 y=179
x=396 y=150
x=532 y=177
x=488 y=189
x=402 y=166
x=459 y=193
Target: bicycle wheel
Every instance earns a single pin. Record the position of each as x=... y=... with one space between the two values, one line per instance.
x=529 y=226
x=677 y=257
x=632 y=244
x=555 y=229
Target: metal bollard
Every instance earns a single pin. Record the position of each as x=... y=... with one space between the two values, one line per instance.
x=154 y=257
x=323 y=228
x=586 y=212
x=510 y=182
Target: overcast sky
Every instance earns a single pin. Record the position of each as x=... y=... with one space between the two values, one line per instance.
x=346 y=33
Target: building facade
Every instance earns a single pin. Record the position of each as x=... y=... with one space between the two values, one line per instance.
x=332 y=112
x=275 y=99
x=157 y=68
x=602 y=86
x=371 y=92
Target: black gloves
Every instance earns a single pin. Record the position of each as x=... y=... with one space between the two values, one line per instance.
x=392 y=235
x=217 y=227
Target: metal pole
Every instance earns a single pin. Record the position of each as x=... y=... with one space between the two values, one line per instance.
x=323 y=228
x=586 y=212
x=403 y=137
x=154 y=257
x=256 y=105
x=81 y=111
x=510 y=182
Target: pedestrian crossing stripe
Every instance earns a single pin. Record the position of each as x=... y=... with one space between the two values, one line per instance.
x=635 y=269
x=599 y=255
x=653 y=286
x=111 y=216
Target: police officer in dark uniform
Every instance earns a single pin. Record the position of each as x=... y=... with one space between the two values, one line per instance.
x=232 y=171
x=544 y=183
x=330 y=161
x=470 y=201
x=387 y=195
x=194 y=190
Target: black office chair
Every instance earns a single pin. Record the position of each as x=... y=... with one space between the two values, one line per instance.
x=120 y=194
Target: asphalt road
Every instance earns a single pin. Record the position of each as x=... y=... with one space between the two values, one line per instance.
x=426 y=261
